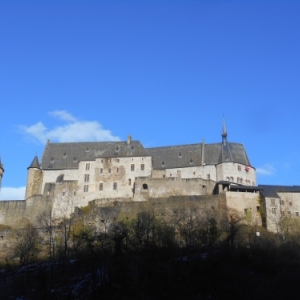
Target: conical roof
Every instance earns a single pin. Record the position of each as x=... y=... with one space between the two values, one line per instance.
x=35 y=163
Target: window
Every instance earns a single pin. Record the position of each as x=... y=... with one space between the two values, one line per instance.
x=208 y=176
x=257 y=208
x=115 y=186
x=64 y=193
x=117 y=149
x=132 y=167
x=191 y=161
x=65 y=154
x=87 y=149
x=283 y=213
x=109 y=170
x=290 y=203
x=273 y=202
x=194 y=173
x=85 y=188
x=282 y=202
x=142 y=167
x=297 y=213
x=231 y=179
x=117 y=160
x=87 y=166
x=239 y=168
x=289 y=212
x=170 y=175
x=162 y=163
x=86 y=177
x=145 y=186
x=74 y=193
x=101 y=186
x=75 y=159
x=101 y=171
x=274 y=210
x=179 y=155
x=129 y=181
x=117 y=170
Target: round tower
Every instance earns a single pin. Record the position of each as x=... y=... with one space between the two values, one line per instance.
x=34 y=179
x=1 y=172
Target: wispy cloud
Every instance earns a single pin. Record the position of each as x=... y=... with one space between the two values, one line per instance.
x=12 y=193
x=73 y=130
x=266 y=169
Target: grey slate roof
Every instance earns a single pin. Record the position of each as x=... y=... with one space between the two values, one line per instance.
x=35 y=163
x=272 y=191
x=191 y=155
x=67 y=155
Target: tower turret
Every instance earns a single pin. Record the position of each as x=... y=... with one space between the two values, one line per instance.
x=224 y=132
x=34 y=178
x=1 y=172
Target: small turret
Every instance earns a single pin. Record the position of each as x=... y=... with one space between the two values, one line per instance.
x=35 y=164
x=224 y=132
x=34 y=178
x=1 y=172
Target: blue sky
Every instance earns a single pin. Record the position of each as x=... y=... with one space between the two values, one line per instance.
x=163 y=71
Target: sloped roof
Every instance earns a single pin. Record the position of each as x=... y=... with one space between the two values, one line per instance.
x=68 y=155
x=35 y=163
x=182 y=156
x=272 y=191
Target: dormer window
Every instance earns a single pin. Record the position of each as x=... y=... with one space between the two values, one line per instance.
x=74 y=159
x=87 y=149
x=65 y=154
x=132 y=147
x=179 y=155
x=162 y=163
x=191 y=162
x=117 y=149
x=52 y=160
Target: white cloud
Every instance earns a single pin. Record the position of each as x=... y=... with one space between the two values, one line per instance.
x=266 y=169
x=73 y=131
x=12 y=193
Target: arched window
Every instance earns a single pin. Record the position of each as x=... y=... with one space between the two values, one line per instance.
x=145 y=186
x=231 y=179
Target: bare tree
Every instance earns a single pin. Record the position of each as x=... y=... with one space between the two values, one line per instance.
x=26 y=247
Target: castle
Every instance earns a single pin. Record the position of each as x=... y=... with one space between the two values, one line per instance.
x=73 y=175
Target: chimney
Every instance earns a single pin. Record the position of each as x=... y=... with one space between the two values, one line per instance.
x=129 y=139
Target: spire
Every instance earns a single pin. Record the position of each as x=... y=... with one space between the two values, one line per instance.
x=224 y=132
x=35 y=163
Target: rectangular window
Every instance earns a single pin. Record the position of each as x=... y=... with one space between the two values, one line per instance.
x=282 y=202
x=85 y=188
x=239 y=168
x=142 y=167
x=63 y=193
x=109 y=170
x=101 y=171
x=208 y=176
x=273 y=202
x=297 y=213
x=117 y=170
x=290 y=203
x=117 y=160
x=283 y=213
x=289 y=212
x=101 y=186
x=132 y=167
x=274 y=210
x=87 y=166
x=115 y=186
x=86 y=177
